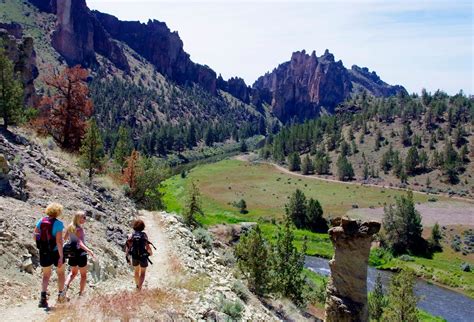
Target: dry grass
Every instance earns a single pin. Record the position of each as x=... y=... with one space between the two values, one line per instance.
x=124 y=306
x=176 y=266
x=195 y=283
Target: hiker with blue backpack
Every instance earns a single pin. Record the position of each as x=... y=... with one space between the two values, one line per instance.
x=76 y=250
x=48 y=235
x=138 y=248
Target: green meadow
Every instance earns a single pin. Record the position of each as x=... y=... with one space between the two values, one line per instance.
x=266 y=191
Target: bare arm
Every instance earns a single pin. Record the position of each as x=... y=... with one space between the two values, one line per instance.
x=59 y=243
x=35 y=233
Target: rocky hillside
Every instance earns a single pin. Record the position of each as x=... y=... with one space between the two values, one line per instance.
x=307 y=85
x=193 y=275
x=67 y=31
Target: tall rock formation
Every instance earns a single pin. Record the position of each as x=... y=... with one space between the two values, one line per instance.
x=21 y=52
x=79 y=36
x=307 y=84
x=161 y=47
x=346 y=299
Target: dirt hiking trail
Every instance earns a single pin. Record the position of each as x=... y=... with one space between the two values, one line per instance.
x=158 y=275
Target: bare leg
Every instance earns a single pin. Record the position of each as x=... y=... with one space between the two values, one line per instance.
x=61 y=271
x=71 y=276
x=142 y=277
x=83 y=271
x=46 y=277
x=137 y=274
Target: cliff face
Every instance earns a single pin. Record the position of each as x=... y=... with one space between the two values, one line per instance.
x=163 y=48
x=236 y=87
x=79 y=36
x=20 y=51
x=303 y=86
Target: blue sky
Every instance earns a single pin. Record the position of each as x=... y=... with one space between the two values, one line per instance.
x=418 y=44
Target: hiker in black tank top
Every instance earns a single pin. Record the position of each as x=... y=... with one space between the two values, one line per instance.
x=138 y=248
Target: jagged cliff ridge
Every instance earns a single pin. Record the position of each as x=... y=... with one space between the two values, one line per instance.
x=164 y=49
x=306 y=84
x=20 y=51
x=81 y=33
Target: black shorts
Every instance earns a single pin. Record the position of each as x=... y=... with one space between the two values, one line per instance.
x=79 y=260
x=143 y=262
x=49 y=259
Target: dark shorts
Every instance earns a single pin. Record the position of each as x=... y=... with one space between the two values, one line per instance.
x=49 y=259
x=79 y=260
x=143 y=262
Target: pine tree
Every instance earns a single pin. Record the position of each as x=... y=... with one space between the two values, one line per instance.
x=132 y=171
x=123 y=147
x=11 y=93
x=193 y=206
x=92 y=150
x=377 y=300
x=345 y=172
x=401 y=298
x=294 y=162
x=411 y=161
x=307 y=165
x=69 y=106
x=253 y=259
x=366 y=171
x=296 y=208
x=242 y=205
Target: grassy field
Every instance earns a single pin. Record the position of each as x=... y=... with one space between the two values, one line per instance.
x=266 y=191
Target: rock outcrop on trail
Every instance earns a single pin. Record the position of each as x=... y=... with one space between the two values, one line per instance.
x=347 y=288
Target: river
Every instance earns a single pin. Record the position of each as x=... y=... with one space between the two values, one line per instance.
x=434 y=299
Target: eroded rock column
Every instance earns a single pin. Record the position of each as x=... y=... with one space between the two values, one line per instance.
x=347 y=288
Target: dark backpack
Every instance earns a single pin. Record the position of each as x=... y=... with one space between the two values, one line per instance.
x=45 y=241
x=138 y=242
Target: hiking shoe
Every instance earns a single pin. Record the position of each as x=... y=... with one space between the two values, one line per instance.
x=43 y=303
x=62 y=298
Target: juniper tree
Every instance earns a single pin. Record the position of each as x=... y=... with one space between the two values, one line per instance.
x=314 y=217
x=92 y=149
x=296 y=208
x=11 y=93
x=288 y=264
x=124 y=146
x=412 y=160
x=377 y=300
x=193 y=206
x=436 y=237
x=253 y=255
x=401 y=298
x=402 y=224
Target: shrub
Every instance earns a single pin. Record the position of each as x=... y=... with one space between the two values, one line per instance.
x=203 y=237
x=465 y=267
x=232 y=309
x=406 y=258
x=239 y=288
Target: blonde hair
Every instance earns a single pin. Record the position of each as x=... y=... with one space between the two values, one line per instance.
x=54 y=210
x=75 y=221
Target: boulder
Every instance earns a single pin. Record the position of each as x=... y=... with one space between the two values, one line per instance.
x=347 y=288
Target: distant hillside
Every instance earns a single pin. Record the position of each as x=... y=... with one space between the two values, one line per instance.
x=423 y=143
